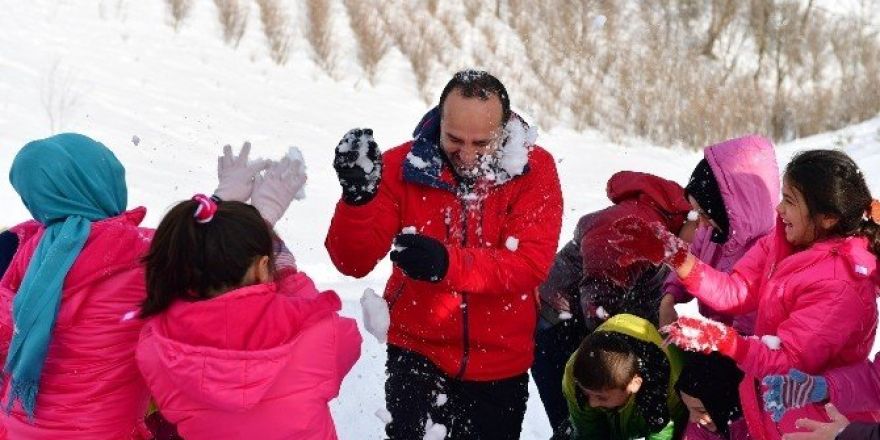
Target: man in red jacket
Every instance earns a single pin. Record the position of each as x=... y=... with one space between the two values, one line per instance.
x=473 y=210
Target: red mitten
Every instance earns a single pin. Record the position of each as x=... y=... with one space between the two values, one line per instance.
x=700 y=334
x=641 y=241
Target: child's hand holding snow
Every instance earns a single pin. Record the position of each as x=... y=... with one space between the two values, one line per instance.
x=640 y=241
x=703 y=335
x=278 y=186
x=236 y=174
x=793 y=390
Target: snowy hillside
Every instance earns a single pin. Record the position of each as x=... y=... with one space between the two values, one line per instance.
x=166 y=103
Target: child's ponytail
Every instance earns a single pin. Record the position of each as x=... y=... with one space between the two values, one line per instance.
x=201 y=249
x=870 y=227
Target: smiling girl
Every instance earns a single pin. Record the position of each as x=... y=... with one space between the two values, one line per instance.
x=812 y=281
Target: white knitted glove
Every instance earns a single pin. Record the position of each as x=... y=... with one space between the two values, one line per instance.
x=236 y=174
x=275 y=189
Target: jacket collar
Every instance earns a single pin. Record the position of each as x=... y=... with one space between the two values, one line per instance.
x=426 y=163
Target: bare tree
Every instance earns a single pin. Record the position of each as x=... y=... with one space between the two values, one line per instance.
x=275 y=28
x=371 y=39
x=179 y=10
x=233 y=15
x=58 y=96
x=319 y=34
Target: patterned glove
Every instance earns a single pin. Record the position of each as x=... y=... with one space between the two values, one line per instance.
x=793 y=390
x=277 y=187
x=703 y=335
x=640 y=241
x=358 y=165
x=236 y=174
x=420 y=257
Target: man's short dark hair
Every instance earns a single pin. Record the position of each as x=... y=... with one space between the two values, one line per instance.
x=477 y=84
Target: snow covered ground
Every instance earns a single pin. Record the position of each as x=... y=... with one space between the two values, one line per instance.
x=125 y=73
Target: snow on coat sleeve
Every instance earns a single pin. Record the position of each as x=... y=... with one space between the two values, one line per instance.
x=360 y=236
x=856 y=387
x=812 y=334
x=535 y=218
x=735 y=293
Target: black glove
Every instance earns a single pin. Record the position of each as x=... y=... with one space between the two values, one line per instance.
x=420 y=257
x=358 y=165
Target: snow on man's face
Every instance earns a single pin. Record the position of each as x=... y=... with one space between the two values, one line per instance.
x=470 y=129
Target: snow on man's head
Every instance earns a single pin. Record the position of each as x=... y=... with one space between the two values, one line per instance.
x=479 y=84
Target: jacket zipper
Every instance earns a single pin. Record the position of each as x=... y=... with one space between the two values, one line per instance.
x=396 y=295
x=466 y=349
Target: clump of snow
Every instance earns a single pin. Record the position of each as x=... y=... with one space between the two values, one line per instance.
x=384 y=415
x=434 y=431
x=135 y=140
x=416 y=161
x=515 y=151
x=771 y=341
x=362 y=144
x=693 y=216
x=602 y=314
x=441 y=400
x=409 y=230
x=512 y=243
x=128 y=316
x=377 y=317
x=564 y=316
x=299 y=169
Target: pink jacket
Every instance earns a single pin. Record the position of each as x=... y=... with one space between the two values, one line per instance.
x=260 y=362
x=738 y=431
x=820 y=303
x=90 y=386
x=856 y=387
x=748 y=179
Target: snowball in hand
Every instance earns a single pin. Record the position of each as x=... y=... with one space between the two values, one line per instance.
x=377 y=317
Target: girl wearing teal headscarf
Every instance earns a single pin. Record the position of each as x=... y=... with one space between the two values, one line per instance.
x=73 y=285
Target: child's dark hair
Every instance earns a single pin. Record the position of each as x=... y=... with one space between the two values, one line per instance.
x=605 y=361
x=832 y=184
x=477 y=84
x=610 y=360
x=190 y=260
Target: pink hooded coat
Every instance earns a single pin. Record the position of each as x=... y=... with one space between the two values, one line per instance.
x=748 y=179
x=738 y=431
x=855 y=387
x=819 y=302
x=260 y=362
x=90 y=386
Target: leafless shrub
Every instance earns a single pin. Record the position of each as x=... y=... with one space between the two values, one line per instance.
x=58 y=96
x=233 y=15
x=318 y=29
x=275 y=25
x=179 y=10
x=371 y=39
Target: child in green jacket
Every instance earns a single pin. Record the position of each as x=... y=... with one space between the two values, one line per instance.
x=620 y=384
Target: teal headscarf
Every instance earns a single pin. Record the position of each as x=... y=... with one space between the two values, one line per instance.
x=66 y=182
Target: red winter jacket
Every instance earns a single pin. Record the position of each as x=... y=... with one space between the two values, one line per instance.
x=478 y=322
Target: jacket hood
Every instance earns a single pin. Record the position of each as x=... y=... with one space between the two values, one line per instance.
x=665 y=196
x=748 y=179
x=228 y=351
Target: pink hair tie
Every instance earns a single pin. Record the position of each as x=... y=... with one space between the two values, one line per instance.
x=206 y=209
